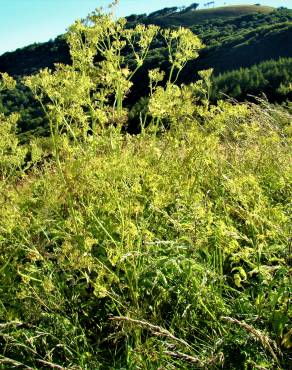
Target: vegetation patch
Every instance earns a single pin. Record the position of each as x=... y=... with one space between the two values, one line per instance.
x=166 y=249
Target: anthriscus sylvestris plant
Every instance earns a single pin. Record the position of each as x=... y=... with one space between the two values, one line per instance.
x=88 y=94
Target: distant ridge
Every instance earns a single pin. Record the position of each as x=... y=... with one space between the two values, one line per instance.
x=193 y=17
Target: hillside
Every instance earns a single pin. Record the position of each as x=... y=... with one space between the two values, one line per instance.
x=30 y=59
x=234 y=38
x=245 y=49
x=188 y=19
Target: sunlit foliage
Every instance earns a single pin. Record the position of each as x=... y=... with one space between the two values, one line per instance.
x=167 y=249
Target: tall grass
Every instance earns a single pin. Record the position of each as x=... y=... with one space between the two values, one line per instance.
x=164 y=250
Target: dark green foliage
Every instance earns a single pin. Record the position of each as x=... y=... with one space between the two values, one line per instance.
x=192 y=7
x=32 y=121
x=32 y=58
x=273 y=78
x=164 y=11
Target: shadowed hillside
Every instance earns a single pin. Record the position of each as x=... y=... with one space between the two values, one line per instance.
x=246 y=49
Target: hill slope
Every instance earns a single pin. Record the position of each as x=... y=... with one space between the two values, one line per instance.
x=198 y=16
x=246 y=48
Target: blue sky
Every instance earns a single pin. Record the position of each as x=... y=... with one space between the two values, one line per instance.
x=23 y=22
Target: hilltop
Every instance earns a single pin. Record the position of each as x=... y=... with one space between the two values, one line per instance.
x=193 y=17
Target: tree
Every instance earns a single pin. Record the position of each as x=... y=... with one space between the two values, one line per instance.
x=164 y=11
x=190 y=8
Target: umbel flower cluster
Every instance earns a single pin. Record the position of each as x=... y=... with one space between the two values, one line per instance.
x=89 y=94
